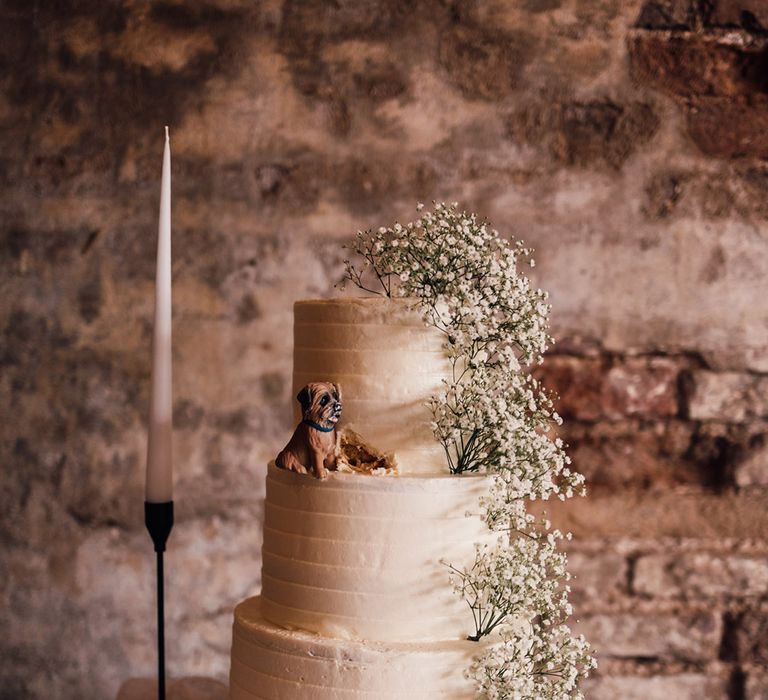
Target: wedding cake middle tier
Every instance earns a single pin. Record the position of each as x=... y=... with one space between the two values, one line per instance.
x=363 y=557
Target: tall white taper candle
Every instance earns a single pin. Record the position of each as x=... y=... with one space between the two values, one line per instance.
x=159 y=487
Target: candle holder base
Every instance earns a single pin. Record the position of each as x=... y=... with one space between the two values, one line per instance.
x=158 y=518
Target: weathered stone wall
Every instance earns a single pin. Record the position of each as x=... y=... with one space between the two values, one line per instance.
x=626 y=141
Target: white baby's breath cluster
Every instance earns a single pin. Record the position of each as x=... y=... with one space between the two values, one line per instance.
x=519 y=589
x=492 y=416
x=517 y=578
x=536 y=663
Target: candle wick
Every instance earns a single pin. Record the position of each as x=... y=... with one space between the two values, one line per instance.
x=166 y=133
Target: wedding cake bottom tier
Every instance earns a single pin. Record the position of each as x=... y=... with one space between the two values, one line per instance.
x=272 y=663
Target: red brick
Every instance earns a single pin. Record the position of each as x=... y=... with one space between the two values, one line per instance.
x=756 y=686
x=730 y=128
x=752 y=468
x=686 y=65
x=585 y=134
x=620 y=455
x=699 y=575
x=750 y=14
x=752 y=637
x=727 y=396
x=597 y=575
x=592 y=389
x=578 y=383
x=684 y=686
x=641 y=388
x=693 y=637
x=720 y=80
x=481 y=63
x=667 y=14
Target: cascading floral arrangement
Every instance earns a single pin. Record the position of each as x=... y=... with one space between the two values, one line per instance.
x=493 y=417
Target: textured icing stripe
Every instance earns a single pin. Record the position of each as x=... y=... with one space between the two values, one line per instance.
x=364 y=554
x=417 y=436
x=376 y=625
x=251 y=623
x=371 y=503
x=365 y=336
x=375 y=310
x=339 y=527
x=288 y=689
x=351 y=542
x=354 y=578
x=354 y=676
x=375 y=628
x=376 y=403
x=329 y=526
x=309 y=649
x=386 y=361
x=355 y=673
x=391 y=604
x=385 y=386
x=378 y=518
x=237 y=692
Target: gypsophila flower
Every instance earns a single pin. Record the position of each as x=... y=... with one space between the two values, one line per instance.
x=492 y=416
x=520 y=576
x=533 y=662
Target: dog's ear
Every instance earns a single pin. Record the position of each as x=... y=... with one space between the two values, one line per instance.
x=304 y=397
x=338 y=390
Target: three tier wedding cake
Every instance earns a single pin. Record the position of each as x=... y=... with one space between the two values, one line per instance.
x=355 y=601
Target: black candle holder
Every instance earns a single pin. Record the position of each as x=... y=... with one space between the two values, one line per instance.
x=158 y=517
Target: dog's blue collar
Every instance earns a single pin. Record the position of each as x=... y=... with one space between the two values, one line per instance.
x=317 y=426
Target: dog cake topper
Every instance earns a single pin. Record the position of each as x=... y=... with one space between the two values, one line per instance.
x=314 y=446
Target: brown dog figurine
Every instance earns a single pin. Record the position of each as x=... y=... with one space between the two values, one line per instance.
x=315 y=442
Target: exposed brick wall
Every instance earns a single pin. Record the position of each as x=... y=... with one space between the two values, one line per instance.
x=674 y=617
x=712 y=58
x=625 y=141
x=681 y=424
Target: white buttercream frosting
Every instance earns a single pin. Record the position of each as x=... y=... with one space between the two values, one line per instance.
x=361 y=557
x=388 y=362
x=271 y=663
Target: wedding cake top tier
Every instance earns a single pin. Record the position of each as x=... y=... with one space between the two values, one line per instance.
x=360 y=557
x=388 y=363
